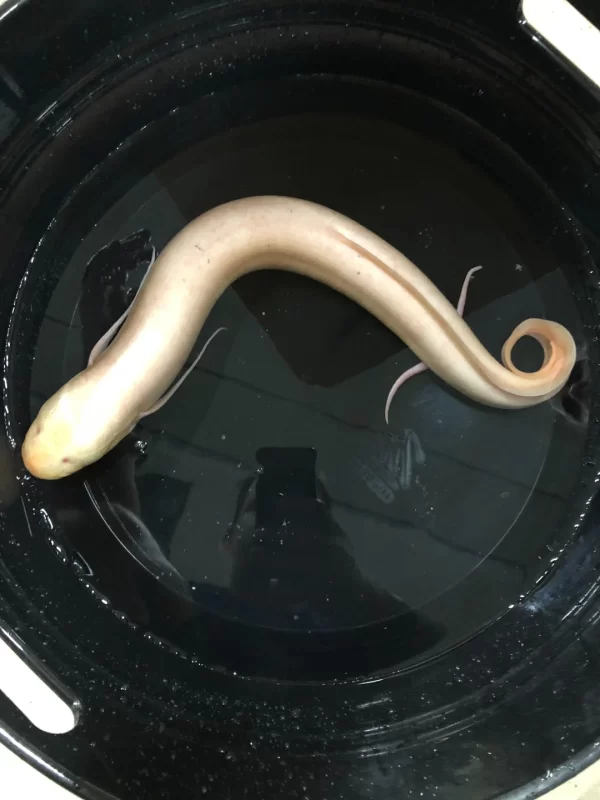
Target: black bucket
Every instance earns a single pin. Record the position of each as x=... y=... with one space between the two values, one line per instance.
x=265 y=591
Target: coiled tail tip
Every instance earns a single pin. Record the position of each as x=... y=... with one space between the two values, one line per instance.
x=560 y=354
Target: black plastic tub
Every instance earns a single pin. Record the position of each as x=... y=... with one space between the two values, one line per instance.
x=265 y=591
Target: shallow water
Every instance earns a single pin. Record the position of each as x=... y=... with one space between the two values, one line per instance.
x=269 y=491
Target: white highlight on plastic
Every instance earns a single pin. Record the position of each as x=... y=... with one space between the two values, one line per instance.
x=32 y=696
x=568 y=31
x=8 y=6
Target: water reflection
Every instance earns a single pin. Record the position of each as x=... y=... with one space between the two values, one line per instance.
x=372 y=527
x=290 y=557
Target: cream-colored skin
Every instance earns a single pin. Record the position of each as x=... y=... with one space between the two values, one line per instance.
x=91 y=413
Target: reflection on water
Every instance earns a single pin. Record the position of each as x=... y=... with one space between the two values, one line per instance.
x=392 y=466
x=269 y=489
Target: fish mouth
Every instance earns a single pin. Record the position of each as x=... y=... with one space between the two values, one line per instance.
x=41 y=463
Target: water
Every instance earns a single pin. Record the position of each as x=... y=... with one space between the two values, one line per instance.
x=269 y=496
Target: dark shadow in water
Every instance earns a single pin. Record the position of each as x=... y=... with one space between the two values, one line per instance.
x=380 y=536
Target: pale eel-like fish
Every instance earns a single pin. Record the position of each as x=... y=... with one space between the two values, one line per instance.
x=98 y=407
